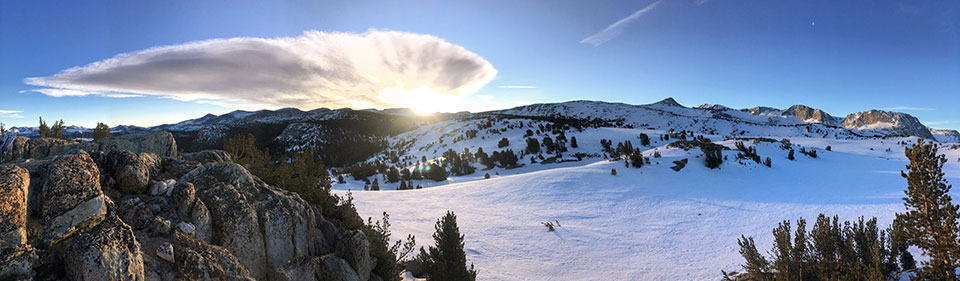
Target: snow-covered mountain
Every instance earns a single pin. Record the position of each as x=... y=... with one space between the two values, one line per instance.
x=73 y=131
x=797 y=120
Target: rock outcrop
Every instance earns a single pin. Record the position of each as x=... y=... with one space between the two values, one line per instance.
x=109 y=251
x=206 y=218
x=889 y=123
x=14 y=182
x=810 y=115
x=72 y=200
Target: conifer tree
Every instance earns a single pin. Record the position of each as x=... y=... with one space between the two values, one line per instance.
x=790 y=155
x=930 y=222
x=375 y=186
x=573 y=142
x=56 y=131
x=43 y=130
x=101 y=131
x=446 y=260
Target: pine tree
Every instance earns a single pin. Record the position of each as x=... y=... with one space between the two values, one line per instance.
x=644 y=139
x=101 y=131
x=573 y=142
x=756 y=267
x=446 y=260
x=790 y=155
x=376 y=185
x=43 y=130
x=393 y=175
x=931 y=218
x=56 y=131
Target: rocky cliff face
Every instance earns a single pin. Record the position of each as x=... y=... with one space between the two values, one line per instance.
x=811 y=115
x=892 y=123
x=132 y=209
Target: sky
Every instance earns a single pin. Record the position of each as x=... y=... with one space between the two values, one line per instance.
x=155 y=62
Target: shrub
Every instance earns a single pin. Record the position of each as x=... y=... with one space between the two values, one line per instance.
x=504 y=142
x=549 y=225
x=613 y=172
x=713 y=154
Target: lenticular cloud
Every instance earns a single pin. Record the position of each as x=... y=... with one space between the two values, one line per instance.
x=315 y=69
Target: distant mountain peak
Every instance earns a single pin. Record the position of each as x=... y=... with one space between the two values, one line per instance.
x=668 y=102
x=809 y=114
x=896 y=122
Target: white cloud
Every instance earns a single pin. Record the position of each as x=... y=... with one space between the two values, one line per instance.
x=10 y=114
x=315 y=69
x=517 y=87
x=614 y=29
x=907 y=108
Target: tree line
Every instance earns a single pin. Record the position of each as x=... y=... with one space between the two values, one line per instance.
x=859 y=250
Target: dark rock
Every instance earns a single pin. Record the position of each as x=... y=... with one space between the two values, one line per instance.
x=131 y=173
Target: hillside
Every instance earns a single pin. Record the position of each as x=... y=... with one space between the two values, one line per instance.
x=649 y=223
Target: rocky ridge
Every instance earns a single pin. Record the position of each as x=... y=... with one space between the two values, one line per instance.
x=132 y=208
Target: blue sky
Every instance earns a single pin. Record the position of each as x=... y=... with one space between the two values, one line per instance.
x=841 y=56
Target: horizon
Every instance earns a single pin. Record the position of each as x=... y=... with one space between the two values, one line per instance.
x=94 y=64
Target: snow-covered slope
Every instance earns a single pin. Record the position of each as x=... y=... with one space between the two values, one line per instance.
x=648 y=223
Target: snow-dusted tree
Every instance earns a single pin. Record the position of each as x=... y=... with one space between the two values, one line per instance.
x=931 y=218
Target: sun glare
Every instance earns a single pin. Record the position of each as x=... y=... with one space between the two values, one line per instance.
x=423 y=100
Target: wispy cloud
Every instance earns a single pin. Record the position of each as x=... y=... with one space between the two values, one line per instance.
x=907 y=108
x=517 y=87
x=59 y=93
x=946 y=122
x=315 y=69
x=10 y=114
x=614 y=29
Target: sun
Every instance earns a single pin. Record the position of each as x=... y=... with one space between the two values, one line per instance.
x=423 y=100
